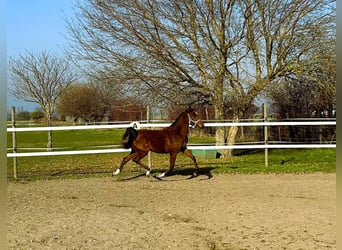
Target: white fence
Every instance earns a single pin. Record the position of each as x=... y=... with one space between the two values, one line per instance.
x=263 y=145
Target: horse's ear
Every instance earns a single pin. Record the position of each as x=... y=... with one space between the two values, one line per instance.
x=189 y=110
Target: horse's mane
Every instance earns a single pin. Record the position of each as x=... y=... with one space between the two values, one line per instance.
x=189 y=110
x=177 y=119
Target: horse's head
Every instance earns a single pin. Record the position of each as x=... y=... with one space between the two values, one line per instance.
x=194 y=119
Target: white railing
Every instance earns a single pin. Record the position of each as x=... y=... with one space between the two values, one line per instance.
x=259 y=145
x=263 y=145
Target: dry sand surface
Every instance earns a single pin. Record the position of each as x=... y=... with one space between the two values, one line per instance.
x=223 y=212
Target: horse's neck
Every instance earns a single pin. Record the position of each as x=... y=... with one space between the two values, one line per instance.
x=181 y=126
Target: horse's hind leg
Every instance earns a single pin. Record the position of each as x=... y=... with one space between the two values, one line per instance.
x=188 y=153
x=137 y=159
x=173 y=157
x=126 y=159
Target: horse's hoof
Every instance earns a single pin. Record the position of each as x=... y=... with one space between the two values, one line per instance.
x=148 y=173
x=161 y=175
x=195 y=174
x=117 y=172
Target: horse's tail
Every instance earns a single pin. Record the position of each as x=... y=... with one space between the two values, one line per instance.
x=128 y=137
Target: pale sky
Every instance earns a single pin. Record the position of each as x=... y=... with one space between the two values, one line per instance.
x=36 y=26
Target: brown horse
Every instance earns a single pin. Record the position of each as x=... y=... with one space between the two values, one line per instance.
x=170 y=140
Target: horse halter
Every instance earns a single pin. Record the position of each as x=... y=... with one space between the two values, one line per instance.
x=193 y=121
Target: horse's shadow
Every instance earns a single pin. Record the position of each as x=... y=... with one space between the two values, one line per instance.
x=186 y=172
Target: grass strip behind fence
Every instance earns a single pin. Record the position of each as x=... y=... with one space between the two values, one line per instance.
x=243 y=162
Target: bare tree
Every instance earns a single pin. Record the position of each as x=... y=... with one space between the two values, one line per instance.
x=81 y=101
x=178 y=51
x=313 y=92
x=39 y=78
x=280 y=36
x=185 y=51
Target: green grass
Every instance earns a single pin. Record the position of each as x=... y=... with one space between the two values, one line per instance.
x=282 y=161
x=75 y=166
x=73 y=139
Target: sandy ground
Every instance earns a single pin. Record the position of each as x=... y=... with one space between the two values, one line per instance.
x=223 y=212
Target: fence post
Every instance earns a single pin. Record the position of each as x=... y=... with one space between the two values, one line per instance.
x=149 y=156
x=265 y=134
x=14 y=143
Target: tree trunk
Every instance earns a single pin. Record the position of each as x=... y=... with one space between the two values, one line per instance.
x=220 y=135
x=49 y=123
x=232 y=136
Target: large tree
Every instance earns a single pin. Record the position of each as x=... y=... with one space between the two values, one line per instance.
x=39 y=78
x=82 y=101
x=311 y=93
x=182 y=51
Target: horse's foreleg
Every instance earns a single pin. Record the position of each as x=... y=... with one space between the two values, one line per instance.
x=173 y=157
x=188 y=153
x=124 y=161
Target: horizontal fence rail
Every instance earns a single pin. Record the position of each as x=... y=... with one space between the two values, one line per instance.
x=207 y=147
x=163 y=125
x=140 y=125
